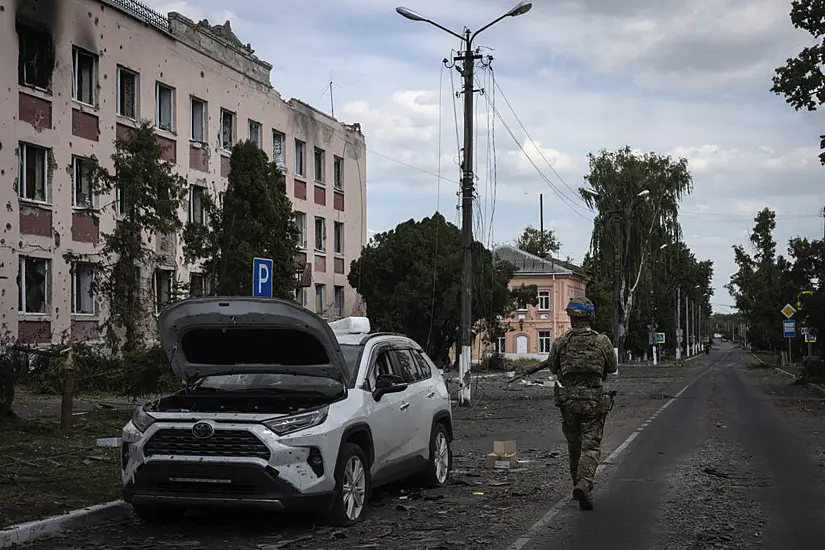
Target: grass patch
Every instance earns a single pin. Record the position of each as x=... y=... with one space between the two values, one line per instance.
x=44 y=472
x=769 y=359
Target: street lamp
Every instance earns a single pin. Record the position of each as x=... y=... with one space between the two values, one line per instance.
x=468 y=58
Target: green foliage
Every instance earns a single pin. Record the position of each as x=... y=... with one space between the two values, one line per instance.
x=534 y=242
x=152 y=194
x=765 y=282
x=410 y=278
x=254 y=219
x=801 y=80
x=636 y=198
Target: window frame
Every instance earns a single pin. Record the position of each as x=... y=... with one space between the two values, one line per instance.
x=200 y=188
x=23 y=172
x=338 y=235
x=255 y=124
x=156 y=286
x=547 y=294
x=322 y=234
x=279 y=159
x=75 y=280
x=77 y=53
x=302 y=229
x=121 y=70
x=21 y=284
x=544 y=341
x=77 y=161
x=338 y=290
x=160 y=86
x=338 y=173
x=47 y=51
x=233 y=130
x=300 y=163
x=319 y=165
x=320 y=298
x=193 y=99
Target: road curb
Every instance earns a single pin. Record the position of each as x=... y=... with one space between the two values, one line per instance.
x=818 y=389
x=49 y=527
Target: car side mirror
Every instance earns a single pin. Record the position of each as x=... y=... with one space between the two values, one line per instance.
x=388 y=383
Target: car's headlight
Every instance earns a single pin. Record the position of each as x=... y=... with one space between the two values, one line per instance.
x=289 y=424
x=142 y=420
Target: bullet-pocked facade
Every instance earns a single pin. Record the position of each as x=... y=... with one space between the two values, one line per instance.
x=78 y=73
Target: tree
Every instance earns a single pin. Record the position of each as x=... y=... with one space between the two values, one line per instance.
x=801 y=80
x=150 y=197
x=410 y=278
x=254 y=219
x=538 y=243
x=640 y=193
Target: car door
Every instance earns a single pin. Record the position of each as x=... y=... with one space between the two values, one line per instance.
x=389 y=415
x=419 y=421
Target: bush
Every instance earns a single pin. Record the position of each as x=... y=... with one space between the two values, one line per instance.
x=9 y=360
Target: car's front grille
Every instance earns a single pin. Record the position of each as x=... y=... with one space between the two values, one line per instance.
x=207 y=489
x=225 y=443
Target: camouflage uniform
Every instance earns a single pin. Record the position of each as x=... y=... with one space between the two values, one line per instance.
x=582 y=358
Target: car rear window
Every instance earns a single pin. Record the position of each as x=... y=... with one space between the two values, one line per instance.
x=252 y=346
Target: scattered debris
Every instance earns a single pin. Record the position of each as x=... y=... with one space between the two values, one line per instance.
x=503 y=455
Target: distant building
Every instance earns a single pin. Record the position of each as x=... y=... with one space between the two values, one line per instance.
x=87 y=71
x=531 y=331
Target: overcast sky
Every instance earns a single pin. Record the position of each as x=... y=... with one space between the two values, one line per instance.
x=674 y=77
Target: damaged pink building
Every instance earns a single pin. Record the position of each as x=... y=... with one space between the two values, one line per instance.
x=78 y=73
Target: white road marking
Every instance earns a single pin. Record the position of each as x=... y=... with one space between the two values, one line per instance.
x=522 y=541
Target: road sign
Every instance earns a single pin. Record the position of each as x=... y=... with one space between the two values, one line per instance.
x=660 y=337
x=788 y=311
x=262 y=277
x=810 y=336
x=799 y=299
x=789 y=329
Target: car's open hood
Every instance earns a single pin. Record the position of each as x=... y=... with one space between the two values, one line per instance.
x=239 y=334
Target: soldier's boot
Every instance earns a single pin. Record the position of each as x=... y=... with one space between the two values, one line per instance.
x=582 y=494
x=575 y=476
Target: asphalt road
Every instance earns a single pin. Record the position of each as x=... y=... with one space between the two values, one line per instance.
x=718 y=468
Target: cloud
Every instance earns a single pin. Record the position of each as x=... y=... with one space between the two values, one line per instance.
x=689 y=79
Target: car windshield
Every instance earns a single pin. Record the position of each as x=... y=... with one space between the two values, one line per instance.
x=275 y=382
x=351 y=354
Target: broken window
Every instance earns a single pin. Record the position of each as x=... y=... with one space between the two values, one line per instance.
x=33 y=182
x=127 y=93
x=227 y=129
x=165 y=107
x=320 y=298
x=300 y=160
x=301 y=223
x=338 y=237
x=83 y=195
x=338 y=173
x=83 y=87
x=338 y=300
x=83 y=276
x=278 y=140
x=36 y=59
x=320 y=234
x=255 y=132
x=121 y=200
x=198 y=285
x=198 y=115
x=33 y=282
x=320 y=165
x=301 y=296
x=164 y=279
x=196 y=196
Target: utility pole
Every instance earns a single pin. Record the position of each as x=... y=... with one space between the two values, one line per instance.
x=617 y=275
x=687 y=325
x=678 y=323
x=468 y=58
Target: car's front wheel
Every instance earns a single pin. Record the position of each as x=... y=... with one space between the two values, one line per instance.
x=352 y=486
x=441 y=458
x=157 y=514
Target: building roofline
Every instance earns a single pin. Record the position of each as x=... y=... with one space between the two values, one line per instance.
x=552 y=266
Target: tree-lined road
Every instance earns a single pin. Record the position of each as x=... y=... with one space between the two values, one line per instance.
x=720 y=467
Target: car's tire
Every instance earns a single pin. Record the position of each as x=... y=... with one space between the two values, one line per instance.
x=352 y=487
x=158 y=514
x=440 y=463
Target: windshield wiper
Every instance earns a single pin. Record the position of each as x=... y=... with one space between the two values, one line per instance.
x=273 y=389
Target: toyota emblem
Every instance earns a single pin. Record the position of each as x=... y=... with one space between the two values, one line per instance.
x=203 y=430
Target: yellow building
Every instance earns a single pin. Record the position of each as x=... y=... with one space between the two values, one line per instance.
x=531 y=331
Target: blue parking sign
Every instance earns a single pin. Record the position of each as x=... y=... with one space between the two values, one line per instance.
x=262 y=277
x=789 y=328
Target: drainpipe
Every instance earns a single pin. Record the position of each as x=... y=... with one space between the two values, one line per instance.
x=555 y=304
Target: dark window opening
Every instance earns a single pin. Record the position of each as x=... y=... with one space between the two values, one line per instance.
x=252 y=346
x=36 y=59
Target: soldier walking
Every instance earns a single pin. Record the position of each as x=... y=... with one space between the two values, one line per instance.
x=582 y=358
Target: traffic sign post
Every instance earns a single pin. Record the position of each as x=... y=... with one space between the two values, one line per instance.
x=262 y=277
x=789 y=332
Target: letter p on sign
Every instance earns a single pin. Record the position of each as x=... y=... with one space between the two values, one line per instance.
x=262 y=277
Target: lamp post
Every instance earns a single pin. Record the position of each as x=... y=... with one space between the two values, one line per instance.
x=617 y=265
x=468 y=58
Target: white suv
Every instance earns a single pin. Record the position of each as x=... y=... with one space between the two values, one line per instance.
x=283 y=411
